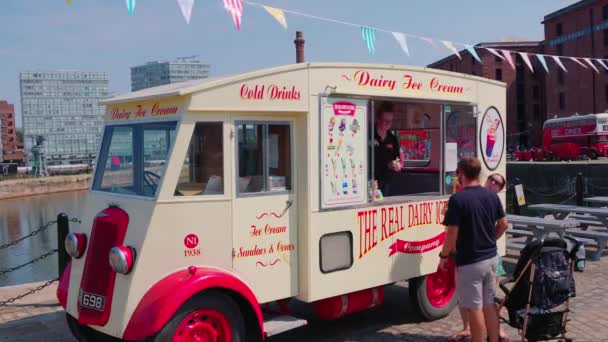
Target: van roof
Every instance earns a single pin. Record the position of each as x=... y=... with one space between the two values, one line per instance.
x=189 y=87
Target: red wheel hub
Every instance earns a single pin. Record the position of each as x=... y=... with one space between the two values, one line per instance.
x=441 y=286
x=204 y=326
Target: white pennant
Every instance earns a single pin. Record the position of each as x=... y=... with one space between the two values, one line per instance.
x=451 y=47
x=186 y=7
x=579 y=62
x=495 y=53
x=602 y=63
x=559 y=62
x=130 y=6
x=401 y=39
x=591 y=64
x=526 y=59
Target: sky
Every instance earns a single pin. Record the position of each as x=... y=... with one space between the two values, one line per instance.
x=99 y=35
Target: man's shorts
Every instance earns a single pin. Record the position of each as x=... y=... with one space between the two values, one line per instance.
x=476 y=284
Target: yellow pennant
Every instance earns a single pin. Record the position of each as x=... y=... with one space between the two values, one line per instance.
x=278 y=14
x=69 y=2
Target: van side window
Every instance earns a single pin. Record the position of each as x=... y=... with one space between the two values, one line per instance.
x=203 y=169
x=264 y=157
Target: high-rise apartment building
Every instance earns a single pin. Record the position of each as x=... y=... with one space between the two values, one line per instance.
x=153 y=74
x=63 y=107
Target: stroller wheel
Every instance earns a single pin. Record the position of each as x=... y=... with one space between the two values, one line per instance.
x=434 y=294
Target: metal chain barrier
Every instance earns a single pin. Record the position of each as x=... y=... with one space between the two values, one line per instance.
x=35 y=232
x=11 y=300
x=43 y=256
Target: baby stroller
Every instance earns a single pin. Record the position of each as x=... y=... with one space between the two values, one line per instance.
x=538 y=301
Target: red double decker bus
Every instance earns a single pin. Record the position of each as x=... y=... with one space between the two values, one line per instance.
x=575 y=136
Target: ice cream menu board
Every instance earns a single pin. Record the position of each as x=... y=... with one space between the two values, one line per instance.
x=343 y=151
x=492 y=135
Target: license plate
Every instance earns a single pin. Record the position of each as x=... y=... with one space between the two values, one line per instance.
x=92 y=301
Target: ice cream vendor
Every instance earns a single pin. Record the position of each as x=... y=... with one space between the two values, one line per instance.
x=386 y=145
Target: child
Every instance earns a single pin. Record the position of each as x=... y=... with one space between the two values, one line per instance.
x=494 y=183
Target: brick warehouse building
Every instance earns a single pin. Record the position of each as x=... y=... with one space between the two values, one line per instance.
x=579 y=30
x=12 y=151
x=525 y=90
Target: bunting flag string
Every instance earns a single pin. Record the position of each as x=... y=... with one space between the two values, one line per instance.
x=401 y=39
x=235 y=9
x=369 y=36
x=526 y=59
x=185 y=7
x=278 y=14
x=130 y=6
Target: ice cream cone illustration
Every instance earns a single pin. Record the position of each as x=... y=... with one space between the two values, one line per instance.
x=345 y=187
x=333 y=162
x=332 y=123
x=340 y=143
x=342 y=126
x=491 y=137
x=354 y=127
x=355 y=186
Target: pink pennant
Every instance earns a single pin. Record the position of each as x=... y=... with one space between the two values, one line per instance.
x=235 y=9
x=509 y=58
x=429 y=40
x=602 y=63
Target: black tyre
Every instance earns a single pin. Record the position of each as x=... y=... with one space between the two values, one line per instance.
x=85 y=333
x=434 y=295
x=210 y=316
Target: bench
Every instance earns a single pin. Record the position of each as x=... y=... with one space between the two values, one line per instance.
x=515 y=245
x=600 y=238
x=585 y=220
x=519 y=231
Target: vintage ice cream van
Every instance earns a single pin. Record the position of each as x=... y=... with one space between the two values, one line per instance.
x=215 y=201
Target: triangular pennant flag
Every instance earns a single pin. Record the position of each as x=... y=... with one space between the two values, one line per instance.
x=591 y=64
x=579 y=62
x=452 y=48
x=235 y=9
x=69 y=2
x=509 y=58
x=495 y=53
x=526 y=59
x=131 y=6
x=401 y=39
x=543 y=62
x=559 y=62
x=602 y=63
x=429 y=40
x=472 y=51
x=278 y=14
x=186 y=7
x=369 y=36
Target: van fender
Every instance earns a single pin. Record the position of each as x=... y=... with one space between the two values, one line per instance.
x=64 y=285
x=165 y=297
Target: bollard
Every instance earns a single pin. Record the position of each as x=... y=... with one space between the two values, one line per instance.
x=514 y=201
x=63 y=228
x=579 y=189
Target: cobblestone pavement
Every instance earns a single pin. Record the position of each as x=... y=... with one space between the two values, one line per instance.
x=39 y=318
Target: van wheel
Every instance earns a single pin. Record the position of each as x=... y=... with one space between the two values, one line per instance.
x=434 y=295
x=84 y=333
x=208 y=317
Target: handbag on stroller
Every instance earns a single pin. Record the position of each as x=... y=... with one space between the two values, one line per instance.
x=542 y=285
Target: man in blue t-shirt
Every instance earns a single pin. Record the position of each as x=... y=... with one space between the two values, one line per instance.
x=475 y=220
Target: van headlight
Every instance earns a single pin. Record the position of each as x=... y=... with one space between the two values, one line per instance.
x=75 y=244
x=121 y=259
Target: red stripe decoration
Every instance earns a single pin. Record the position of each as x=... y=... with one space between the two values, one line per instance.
x=235 y=9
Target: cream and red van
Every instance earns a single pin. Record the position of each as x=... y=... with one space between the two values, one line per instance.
x=214 y=199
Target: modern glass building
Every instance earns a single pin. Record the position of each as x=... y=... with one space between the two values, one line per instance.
x=153 y=74
x=63 y=107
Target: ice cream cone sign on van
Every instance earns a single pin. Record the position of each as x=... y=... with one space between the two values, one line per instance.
x=216 y=202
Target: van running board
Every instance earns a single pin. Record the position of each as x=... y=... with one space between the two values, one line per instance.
x=279 y=324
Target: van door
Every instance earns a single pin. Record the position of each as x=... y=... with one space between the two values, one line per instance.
x=264 y=209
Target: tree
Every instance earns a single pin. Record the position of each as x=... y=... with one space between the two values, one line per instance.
x=19 y=133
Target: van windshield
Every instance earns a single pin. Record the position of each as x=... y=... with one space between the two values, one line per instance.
x=133 y=157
